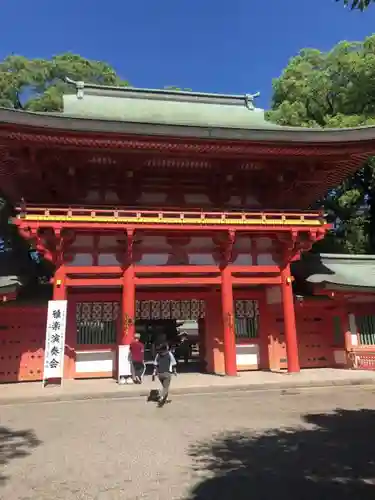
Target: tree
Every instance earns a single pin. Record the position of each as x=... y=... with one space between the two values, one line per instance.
x=335 y=89
x=357 y=4
x=38 y=84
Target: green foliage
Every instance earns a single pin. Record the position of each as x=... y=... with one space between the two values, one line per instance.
x=335 y=89
x=39 y=83
x=357 y=4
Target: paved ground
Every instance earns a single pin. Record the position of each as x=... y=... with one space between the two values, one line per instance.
x=185 y=383
x=290 y=444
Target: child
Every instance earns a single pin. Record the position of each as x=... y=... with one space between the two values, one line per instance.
x=164 y=366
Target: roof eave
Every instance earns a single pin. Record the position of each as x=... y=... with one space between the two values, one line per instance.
x=332 y=286
x=64 y=123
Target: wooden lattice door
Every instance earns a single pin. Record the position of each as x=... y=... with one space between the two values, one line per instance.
x=97 y=323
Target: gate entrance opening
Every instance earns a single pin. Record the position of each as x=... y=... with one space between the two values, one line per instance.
x=175 y=321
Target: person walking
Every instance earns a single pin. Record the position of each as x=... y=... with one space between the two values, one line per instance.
x=164 y=366
x=184 y=348
x=137 y=353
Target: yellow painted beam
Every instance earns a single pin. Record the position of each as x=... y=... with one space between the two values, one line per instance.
x=220 y=221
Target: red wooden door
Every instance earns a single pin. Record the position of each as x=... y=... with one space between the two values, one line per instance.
x=315 y=337
x=22 y=339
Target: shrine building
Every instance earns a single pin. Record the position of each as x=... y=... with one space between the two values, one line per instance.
x=161 y=205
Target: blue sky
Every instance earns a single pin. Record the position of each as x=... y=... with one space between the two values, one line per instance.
x=235 y=46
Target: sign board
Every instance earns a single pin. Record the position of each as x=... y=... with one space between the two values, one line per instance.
x=55 y=340
x=124 y=364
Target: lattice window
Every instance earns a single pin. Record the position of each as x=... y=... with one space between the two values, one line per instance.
x=366 y=328
x=170 y=309
x=247 y=319
x=97 y=323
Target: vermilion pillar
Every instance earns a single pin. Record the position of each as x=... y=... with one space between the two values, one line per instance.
x=228 y=322
x=289 y=321
x=128 y=306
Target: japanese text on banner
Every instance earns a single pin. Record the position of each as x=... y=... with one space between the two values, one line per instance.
x=55 y=339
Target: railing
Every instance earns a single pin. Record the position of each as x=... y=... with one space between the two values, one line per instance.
x=361 y=359
x=366 y=329
x=169 y=217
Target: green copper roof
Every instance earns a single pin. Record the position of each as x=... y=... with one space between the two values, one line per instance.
x=171 y=113
x=338 y=271
x=164 y=107
x=9 y=284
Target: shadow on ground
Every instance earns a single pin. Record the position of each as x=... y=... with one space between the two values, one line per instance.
x=331 y=457
x=14 y=445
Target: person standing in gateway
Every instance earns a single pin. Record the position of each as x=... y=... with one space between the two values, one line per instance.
x=137 y=353
x=164 y=366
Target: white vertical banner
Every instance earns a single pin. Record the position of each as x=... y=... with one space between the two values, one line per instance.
x=124 y=363
x=55 y=340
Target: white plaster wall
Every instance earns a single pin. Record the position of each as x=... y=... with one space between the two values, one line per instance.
x=92 y=196
x=150 y=259
x=243 y=243
x=154 y=241
x=266 y=259
x=263 y=243
x=152 y=198
x=81 y=259
x=248 y=359
x=339 y=357
x=243 y=259
x=200 y=242
x=197 y=199
x=354 y=340
x=107 y=259
x=251 y=201
x=95 y=361
x=234 y=201
x=83 y=240
x=106 y=241
x=201 y=260
x=111 y=197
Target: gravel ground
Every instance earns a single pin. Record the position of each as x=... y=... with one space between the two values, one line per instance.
x=242 y=446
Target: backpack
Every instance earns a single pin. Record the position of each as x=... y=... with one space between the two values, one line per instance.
x=164 y=362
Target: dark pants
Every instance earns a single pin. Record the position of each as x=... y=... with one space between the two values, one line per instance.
x=138 y=369
x=184 y=353
x=165 y=380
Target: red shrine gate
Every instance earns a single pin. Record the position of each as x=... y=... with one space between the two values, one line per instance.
x=156 y=156
x=230 y=292
x=259 y=344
